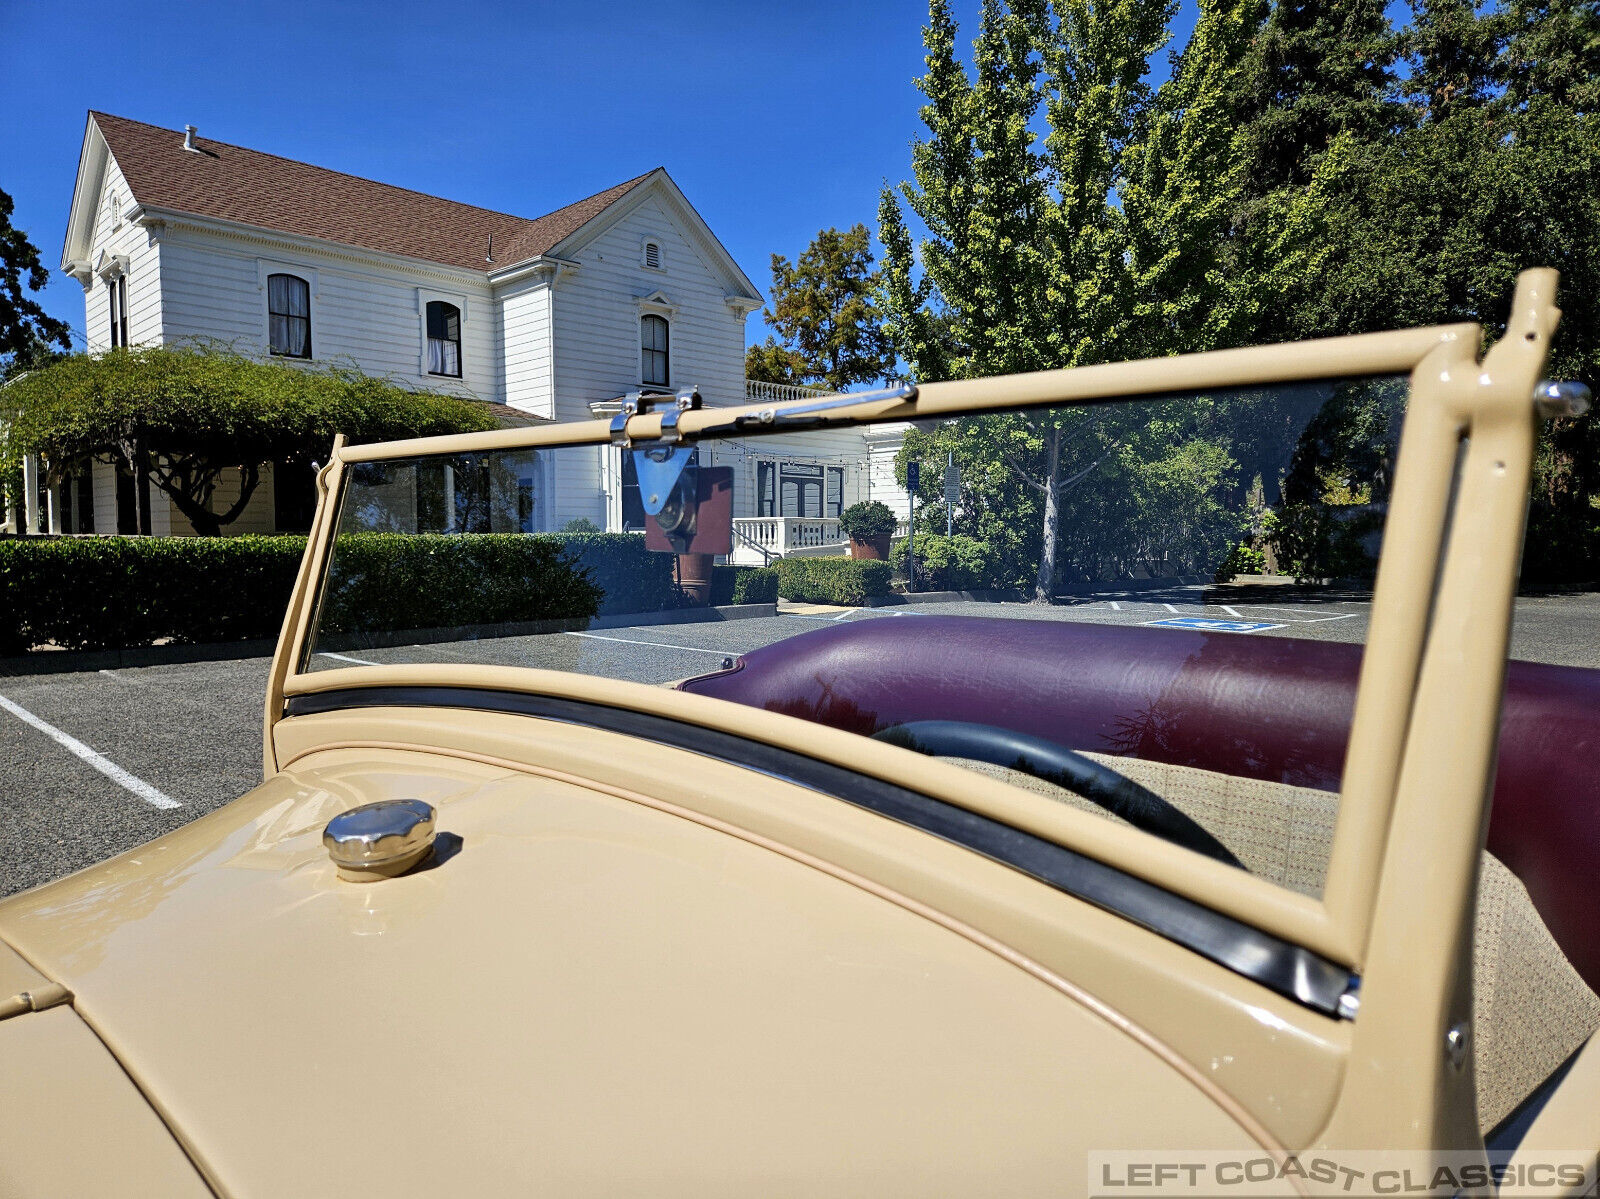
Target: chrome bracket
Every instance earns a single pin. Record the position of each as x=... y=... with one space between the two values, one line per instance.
x=639 y=403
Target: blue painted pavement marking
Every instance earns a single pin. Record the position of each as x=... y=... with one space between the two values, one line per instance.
x=1213 y=626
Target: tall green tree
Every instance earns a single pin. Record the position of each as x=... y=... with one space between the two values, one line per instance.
x=1024 y=251
x=825 y=309
x=29 y=336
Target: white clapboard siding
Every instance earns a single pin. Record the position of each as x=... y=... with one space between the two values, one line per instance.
x=526 y=350
x=366 y=314
x=116 y=236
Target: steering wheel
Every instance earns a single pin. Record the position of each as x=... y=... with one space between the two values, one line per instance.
x=1081 y=775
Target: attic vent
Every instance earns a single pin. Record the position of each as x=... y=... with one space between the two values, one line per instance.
x=652 y=255
x=188 y=139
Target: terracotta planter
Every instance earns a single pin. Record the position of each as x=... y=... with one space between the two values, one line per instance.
x=694 y=577
x=873 y=548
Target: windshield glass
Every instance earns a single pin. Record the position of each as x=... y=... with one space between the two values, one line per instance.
x=1168 y=594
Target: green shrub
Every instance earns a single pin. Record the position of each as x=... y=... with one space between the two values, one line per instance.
x=755 y=585
x=832 y=580
x=383 y=582
x=114 y=592
x=119 y=592
x=1242 y=559
x=868 y=519
x=580 y=524
x=633 y=578
x=958 y=563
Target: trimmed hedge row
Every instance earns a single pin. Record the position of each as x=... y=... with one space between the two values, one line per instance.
x=120 y=592
x=832 y=580
x=755 y=585
x=115 y=592
x=381 y=582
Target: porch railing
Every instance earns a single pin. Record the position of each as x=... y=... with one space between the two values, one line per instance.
x=759 y=539
x=756 y=391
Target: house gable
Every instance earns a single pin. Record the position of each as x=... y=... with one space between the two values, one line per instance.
x=659 y=187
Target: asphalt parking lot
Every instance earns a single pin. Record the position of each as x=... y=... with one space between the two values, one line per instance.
x=96 y=762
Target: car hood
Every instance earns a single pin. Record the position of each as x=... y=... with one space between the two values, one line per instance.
x=591 y=995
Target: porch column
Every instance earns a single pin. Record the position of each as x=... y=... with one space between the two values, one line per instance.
x=30 y=493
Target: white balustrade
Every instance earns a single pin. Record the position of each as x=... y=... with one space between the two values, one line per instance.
x=758 y=539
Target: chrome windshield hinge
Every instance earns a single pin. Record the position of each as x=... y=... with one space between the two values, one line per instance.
x=639 y=403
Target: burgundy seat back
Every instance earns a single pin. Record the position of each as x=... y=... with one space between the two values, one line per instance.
x=1258 y=707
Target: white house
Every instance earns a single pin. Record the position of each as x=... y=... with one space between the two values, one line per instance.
x=175 y=237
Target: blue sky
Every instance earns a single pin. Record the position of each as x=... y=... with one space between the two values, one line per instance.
x=776 y=119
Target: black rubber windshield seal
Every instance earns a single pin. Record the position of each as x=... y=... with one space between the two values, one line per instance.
x=1290 y=970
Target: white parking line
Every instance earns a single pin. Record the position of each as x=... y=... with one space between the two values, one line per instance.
x=1234 y=612
x=1169 y=607
x=322 y=653
x=1115 y=607
x=151 y=796
x=117 y=678
x=692 y=649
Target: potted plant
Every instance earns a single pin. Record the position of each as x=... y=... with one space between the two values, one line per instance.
x=869 y=525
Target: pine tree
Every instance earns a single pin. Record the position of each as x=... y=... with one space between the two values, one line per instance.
x=824 y=307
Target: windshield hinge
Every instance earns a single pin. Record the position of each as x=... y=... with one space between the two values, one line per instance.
x=640 y=403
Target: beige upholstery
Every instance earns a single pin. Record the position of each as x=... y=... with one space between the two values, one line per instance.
x=1531 y=1010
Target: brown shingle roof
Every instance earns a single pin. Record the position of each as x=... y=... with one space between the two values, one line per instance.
x=232 y=183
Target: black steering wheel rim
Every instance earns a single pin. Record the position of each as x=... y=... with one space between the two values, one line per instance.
x=1067 y=768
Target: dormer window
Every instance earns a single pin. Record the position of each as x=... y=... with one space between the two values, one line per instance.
x=652 y=255
x=289 y=316
x=653 y=364
x=444 y=339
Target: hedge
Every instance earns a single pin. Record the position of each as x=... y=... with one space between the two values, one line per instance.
x=832 y=580
x=958 y=563
x=633 y=578
x=755 y=585
x=119 y=592
x=114 y=592
x=382 y=582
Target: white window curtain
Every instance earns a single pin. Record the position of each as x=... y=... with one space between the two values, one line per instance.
x=444 y=339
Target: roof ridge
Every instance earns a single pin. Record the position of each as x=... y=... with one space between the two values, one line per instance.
x=627 y=184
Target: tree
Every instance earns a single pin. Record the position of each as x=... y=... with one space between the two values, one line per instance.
x=28 y=334
x=824 y=309
x=1024 y=258
x=187 y=416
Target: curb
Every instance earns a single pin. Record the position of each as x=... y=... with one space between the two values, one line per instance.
x=624 y=620
x=998 y=596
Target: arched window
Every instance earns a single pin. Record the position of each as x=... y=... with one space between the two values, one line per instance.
x=652 y=255
x=653 y=364
x=289 y=316
x=444 y=339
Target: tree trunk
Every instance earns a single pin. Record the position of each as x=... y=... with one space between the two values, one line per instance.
x=1044 y=584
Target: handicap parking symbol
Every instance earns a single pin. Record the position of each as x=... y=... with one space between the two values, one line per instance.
x=1206 y=624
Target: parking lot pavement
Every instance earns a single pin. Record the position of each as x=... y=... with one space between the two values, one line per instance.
x=86 y=759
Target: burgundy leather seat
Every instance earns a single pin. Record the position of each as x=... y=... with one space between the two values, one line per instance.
x=1257 y=707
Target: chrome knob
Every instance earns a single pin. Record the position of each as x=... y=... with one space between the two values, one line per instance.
x=379 y=840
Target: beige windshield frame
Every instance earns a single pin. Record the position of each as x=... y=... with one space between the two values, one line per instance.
x=1406 y=698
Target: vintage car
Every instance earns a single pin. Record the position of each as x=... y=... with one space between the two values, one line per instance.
x=538 y=896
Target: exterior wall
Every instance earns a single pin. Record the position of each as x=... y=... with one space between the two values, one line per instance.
x=596 y=315
x=363 y=312
x=526 y=349
x=112 y=237
x=883 y=443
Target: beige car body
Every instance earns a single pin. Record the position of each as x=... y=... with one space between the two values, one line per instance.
x=220 y=1011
